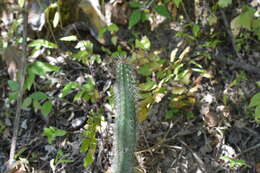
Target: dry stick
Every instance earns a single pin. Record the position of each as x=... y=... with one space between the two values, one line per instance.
x=21 y=79
x=237 y=64
x=229 y=32
x=195 y=155
x=249 y=149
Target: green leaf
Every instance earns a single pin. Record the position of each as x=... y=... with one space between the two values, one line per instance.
x=27 y=102
x=145 y=70
x=36 y=105
x=13 y=85
x=29 y=80
x=224 y=3
x=68 y=87
x=113 y=28
x=257 y=114
x=12 y=96
x=42 y=43
x=144 y=43
x=177 y=2
x=88 y=159
x=78 y=96
x=246 y=18
x=255 y=100
x=46 y=108
x=147 y=85
x=85 y=46
x=39 y=96
x=69 y=38
x=51 y=133
x=56 y=19
x=135 y=18
x=41 y=68
x=196 y=30
x=256 y=27
x=162 y=10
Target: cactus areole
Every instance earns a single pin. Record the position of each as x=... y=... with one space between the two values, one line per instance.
x=125 y=130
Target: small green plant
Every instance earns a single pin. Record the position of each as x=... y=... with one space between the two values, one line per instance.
x=52 y=132
x=59 y=159
x=125 y=130
x=89 y=144
x=141 y=11
x=35 y=99
x=234 y=162
x=86 y=91
x=255 y=103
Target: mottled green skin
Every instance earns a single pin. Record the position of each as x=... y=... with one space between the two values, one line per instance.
x=125 y=130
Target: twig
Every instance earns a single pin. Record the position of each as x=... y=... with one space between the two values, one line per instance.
x=249 y=149
x=195 y=155
x=21 y=79
x=160 y=143
x=229 y=32
x=237 y=64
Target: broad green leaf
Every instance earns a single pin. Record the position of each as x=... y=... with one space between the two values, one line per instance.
x=258 y=83
x=42 y=43
x=196 y=30
x=39 y=96
x=68 y=87
x=29 y=80
x=78 y=96
x=13 y=85
x=113 y=28
x=59 y=132
x=177 y=2
x=85 y=45
x=51 y=133
x=212 y=19
x=255 y=100
x=162 y=10
x=114 y=40
x=172 y=113
x=145 y=70
x=235 y=25
x=41 y=68
x=246 y=18
x=179 y=90
x=257 y=114
x=36 y=105
x=144 y=43
x=88 y=159
x=46 y=108
x=12 y=96
x=69 y=38
x=147 y=85
x=135 y=18
x=256 y=27
x=27 y=102
x=224 y=3
x=56 y=19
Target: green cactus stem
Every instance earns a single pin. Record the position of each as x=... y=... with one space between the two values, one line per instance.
x=125 y=130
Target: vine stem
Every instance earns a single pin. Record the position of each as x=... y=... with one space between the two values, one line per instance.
x=21 y=78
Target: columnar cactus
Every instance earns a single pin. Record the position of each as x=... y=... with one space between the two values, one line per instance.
x=125 y=130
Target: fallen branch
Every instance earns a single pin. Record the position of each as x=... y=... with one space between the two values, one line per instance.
x=237 y=64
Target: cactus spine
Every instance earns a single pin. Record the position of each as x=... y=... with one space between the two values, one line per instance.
x=125 y=130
